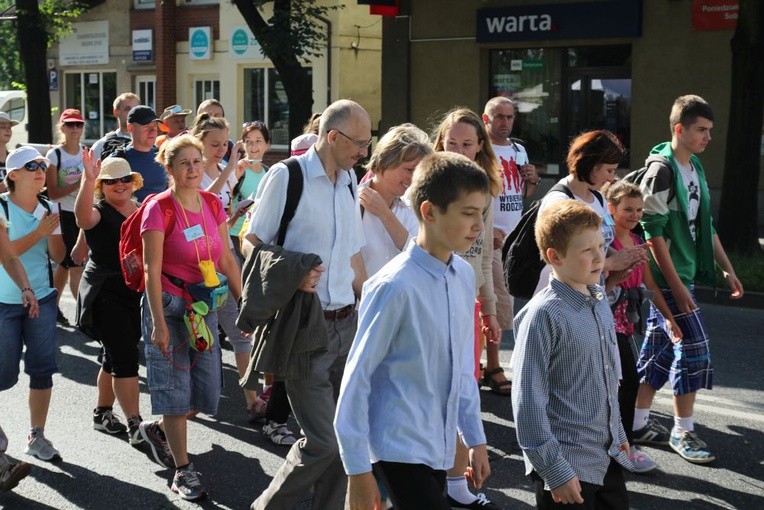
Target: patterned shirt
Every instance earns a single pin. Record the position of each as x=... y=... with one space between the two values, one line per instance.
x=565 y=387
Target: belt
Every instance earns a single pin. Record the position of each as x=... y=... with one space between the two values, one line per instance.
x=339 y=313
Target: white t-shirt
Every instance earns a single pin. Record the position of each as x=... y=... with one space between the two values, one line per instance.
x=69 y=171
x=508 y=205
x=380 y=248
x=225 y=192
x=692 y=186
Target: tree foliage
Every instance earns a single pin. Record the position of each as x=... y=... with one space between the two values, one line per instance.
x=294 y=33
x=738 y=211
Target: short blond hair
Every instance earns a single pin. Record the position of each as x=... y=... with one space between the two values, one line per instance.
x=559 y=222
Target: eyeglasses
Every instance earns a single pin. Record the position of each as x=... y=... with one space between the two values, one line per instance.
x=359 y=144
x=74 y=125
x=125 y=180
x=33 y=166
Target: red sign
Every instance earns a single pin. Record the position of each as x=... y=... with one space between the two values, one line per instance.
x=384 y=10
x=714 y=14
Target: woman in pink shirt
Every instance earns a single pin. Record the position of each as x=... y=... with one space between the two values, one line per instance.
x=182 y=379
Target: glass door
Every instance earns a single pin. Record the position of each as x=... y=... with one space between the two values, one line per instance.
x=600 y=101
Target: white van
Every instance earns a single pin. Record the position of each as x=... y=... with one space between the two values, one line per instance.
x=14 y=103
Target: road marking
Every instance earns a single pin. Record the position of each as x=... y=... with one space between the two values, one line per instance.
x=721 y=406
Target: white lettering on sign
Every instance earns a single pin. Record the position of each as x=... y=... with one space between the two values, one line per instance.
x=529 y=22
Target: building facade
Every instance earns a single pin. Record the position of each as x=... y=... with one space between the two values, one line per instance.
x=186 y=51
x=571 y=65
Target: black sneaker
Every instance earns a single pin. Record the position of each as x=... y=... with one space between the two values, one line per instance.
x=61 y=319
x=134 y=436
x=106 y=421
x=187 y=485
x=481 y=503
x=156 y=439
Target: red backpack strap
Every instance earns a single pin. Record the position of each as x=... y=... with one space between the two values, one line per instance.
x=213 y=202
x=168 y=210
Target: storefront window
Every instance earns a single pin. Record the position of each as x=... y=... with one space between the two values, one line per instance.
x=93 y=94
x=561 y=92
x=266 y=100
x=532 y=78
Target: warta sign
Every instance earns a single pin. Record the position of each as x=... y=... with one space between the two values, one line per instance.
x=589 y=20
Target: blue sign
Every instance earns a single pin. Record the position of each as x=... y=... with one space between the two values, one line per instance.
x=590 y=20
x=142 y=56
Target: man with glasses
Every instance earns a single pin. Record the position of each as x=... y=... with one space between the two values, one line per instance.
x=143 y=125
x=120 y=136
x=327 y=222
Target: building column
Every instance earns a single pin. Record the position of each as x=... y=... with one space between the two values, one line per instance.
x=166 y=53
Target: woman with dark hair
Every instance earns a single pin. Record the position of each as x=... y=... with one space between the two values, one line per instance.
x=106 y=308
x=593 y=158
x=257 y=141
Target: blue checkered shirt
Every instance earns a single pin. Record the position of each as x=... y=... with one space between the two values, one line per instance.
x=565 y=387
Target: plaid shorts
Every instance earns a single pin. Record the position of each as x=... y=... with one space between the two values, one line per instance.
x=687 y=364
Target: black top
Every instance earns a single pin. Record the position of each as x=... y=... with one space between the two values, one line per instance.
x=103 y=239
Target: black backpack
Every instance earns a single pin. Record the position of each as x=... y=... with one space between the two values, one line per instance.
x=294 y=192
x=521 y=256
x=649 y=172
x=115 y=146
x=639 y=175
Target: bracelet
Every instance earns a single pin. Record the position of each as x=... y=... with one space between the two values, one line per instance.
x=27 y=289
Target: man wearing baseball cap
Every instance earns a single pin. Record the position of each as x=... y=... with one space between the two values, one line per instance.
x=174 y=118
x=143 y=125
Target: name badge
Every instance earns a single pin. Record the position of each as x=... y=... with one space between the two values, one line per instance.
x=193 y=233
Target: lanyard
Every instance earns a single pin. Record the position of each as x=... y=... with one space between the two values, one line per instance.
x=188 y=225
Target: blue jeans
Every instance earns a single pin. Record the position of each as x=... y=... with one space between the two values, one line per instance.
x=181 y=379
x=39 y=336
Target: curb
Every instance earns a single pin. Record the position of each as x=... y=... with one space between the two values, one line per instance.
x=720 y=296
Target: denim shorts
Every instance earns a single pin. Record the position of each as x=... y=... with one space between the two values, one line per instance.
x=182 y=379
x=39 y=337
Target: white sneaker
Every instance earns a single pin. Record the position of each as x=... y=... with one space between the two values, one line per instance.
x=40 y=447
x=641 y=461
x=279 y=433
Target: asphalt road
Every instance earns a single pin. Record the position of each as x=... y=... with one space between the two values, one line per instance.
x=237 y=461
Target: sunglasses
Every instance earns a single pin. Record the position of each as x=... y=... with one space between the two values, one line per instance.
x=75 y=125
x=33 y=166
x=125 y=180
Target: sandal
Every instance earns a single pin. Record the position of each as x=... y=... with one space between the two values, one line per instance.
x=498 y=387
x=256 y=413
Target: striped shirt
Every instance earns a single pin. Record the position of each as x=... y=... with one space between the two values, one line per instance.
x=565 y=388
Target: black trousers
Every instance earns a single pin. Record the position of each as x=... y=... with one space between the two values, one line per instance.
x=278 y=409
x=627 y=391
x=611 y=495
x=413 y=486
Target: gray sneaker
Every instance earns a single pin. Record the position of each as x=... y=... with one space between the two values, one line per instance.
x=11 y=473
x=187 y=485
x=641 y=462
x=156 y=440
x=40 y=447
x=691 y=448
